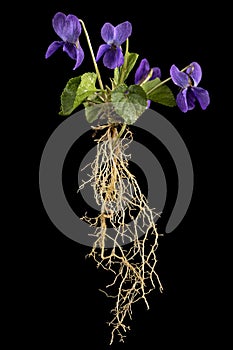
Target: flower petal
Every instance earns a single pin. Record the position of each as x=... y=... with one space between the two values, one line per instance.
x=71 y=50
x=107 y=33
x=113 y=58
x=181 y=100
x=79 y=57
x=179 y=78
x=202 y=96
x=191 y=99
x=58 y=22
x=122 y=32
x=156 y=73
x=102 y=49
x=195 y=72
x=68 y=28
x=76 y=53
x=72 y=29
x=142 y=71
x=53 y=47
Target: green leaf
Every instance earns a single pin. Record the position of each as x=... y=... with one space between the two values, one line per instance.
x=86 y=87
x=92 y=112
x=131 y=59
x=98 y=111
x=129 y=102
x=162 y=94
x=68 y=96
x=93 y=108
x=116 y=75
x=76 y=91
x=121 y=74
x=150 y=84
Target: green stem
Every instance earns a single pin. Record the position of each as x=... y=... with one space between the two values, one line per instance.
x=122 y=130
x=120 y=133
x=92 y=55
x=147 y=78
x=164 y=82
x=124 y=67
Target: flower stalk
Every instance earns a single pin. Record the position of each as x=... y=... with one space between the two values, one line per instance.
x=92 y=55
x=123 y=69
x=165 y=81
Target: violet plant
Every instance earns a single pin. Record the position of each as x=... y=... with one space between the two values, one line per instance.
x=113 y=108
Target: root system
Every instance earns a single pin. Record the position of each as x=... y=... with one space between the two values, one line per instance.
x=124 y=217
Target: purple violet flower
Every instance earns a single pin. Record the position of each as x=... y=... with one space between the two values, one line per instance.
x=190 y=92
x=68 y=28
x=114 y=37
x=142 y=73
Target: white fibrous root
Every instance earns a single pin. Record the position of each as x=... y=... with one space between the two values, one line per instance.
x=125 y=232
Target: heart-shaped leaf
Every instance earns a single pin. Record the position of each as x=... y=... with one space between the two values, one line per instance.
x=76 y=91
x=159 y=93
x=129 y=102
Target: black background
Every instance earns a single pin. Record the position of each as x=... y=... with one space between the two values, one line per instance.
x=57 y=301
